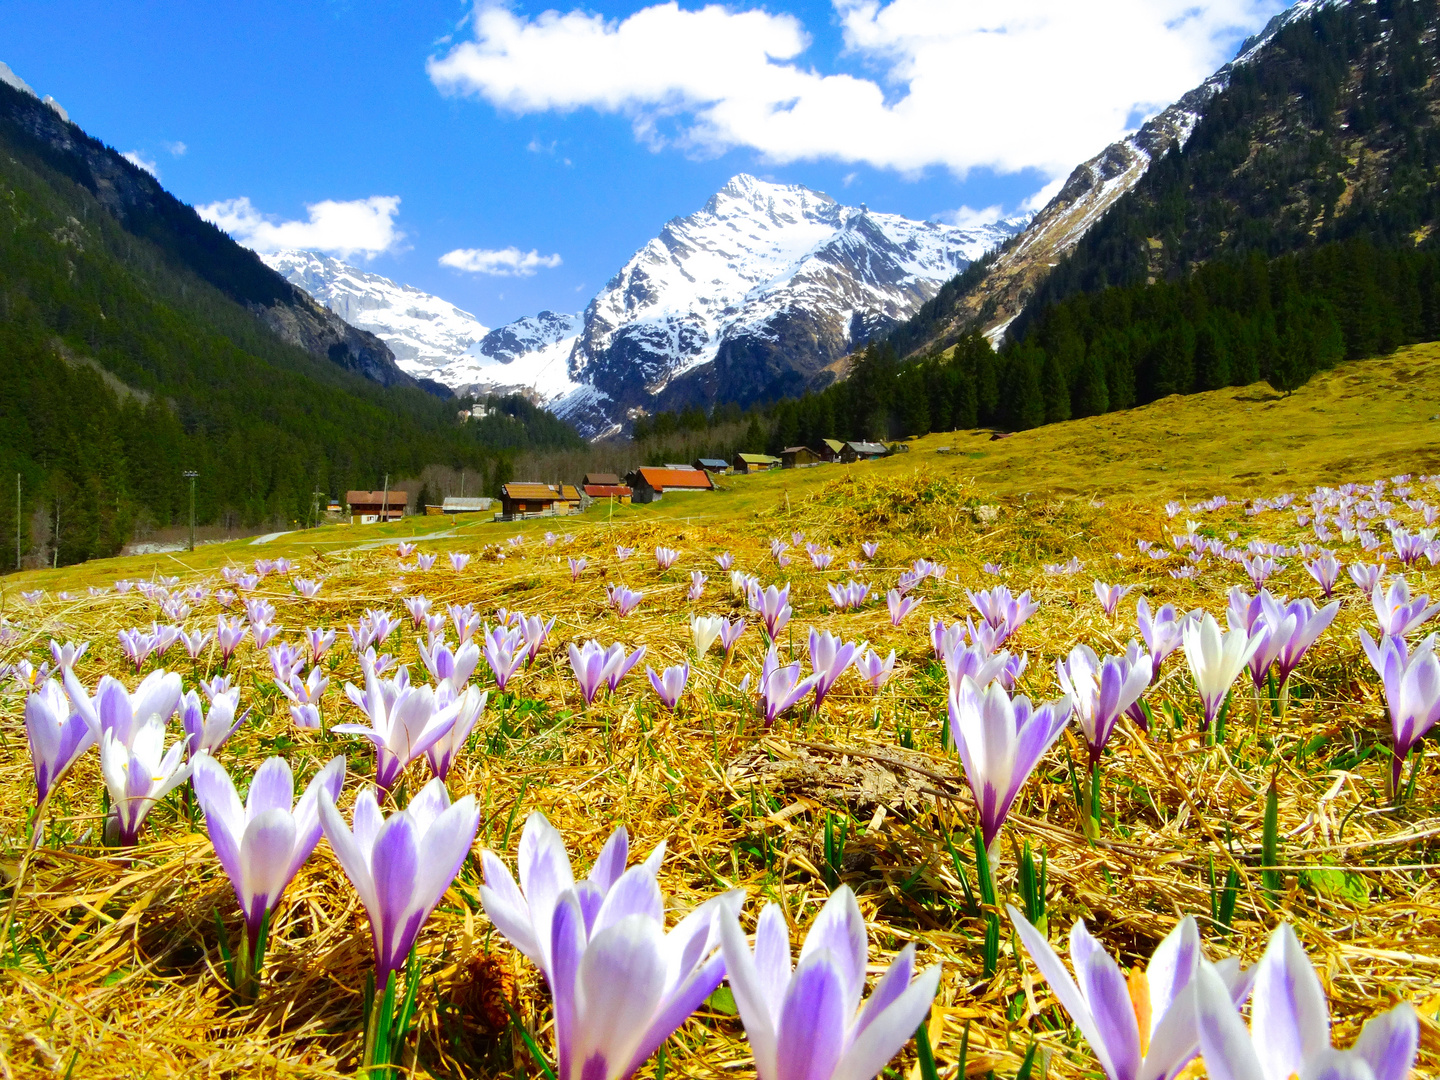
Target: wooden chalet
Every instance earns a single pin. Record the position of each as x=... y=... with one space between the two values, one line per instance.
x=830 y=449
x=525 y=499
x=369 y=507
x=755 y=463
x=649 y=484
x=862 y=451
x=711 y=465
x=799 y=457
x=455 y=504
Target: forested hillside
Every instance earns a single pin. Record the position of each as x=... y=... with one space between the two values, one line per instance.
x=123 y=368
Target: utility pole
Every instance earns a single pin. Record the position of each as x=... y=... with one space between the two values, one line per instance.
x=17 y=521
x=315 y=497
x=191 y=474
x=55 y=554
x=385 y=501
x=462 y=483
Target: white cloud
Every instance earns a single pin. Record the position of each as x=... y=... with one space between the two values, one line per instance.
x=1008 y=84
x=967 y=217
x=141 y=160
x=1035 y=203
x=176 y=148
x=344 y=228
x=508 y=262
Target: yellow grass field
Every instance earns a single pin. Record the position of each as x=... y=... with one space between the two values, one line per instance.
x=111 y=963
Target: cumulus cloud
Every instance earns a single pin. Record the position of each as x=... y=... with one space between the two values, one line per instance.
x=507 y=262
x=364 y=227
x=1005 y=84
x=141 y=160
x=177 y=148
x=967 y=217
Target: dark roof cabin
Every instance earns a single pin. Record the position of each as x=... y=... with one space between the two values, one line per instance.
x=798 y=457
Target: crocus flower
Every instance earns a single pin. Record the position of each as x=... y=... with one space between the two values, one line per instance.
x=121 y=712
x=1325 y=569
x=401 y=865
x=773 y=607
x=697 y=586
x=206 y=734
x=319 y=642
x=404 y=549
x=66 y=656
x=1290 y=1025
x=1101 y=691
x=137 y=645
x=781 y=686
x=973 y=662
x=262 y=844
x=1259 y=569
x=577 y=567
x=620 y=984
x=589 y=664
x=1215 y=660
x=742 y=584
x=139 y=774
x=443 y=750
x=418 y=607
x=671 y=684
x=944 y=639
x=307 y=587
x=778 y=547
x=1002 y=611
x=404 y=721
x=1161 y=632
x=57 y=734
x=705 y=630
x=618 y=664
x=1141 y=1027
x=1396 y=612
x=1412 y=694
x=466 y=621
x=730 y=633
x=622 y=599
x=1310 y=623
x=829 y=658
x=622 y=553
x=725 y=560
x=808 y=1023
x=285 y=658
x=874 y=670
x=1000 y=741
x=458 y=561
x=425 y=560
x=1268 y=626
x=454 y=666
x=901 y=605
x=1110 y=595
x=870 y=549
x=665 y=558
x=1367 y=576
x=504 y=651
x=195 y=642
x=305 y=697
x=821 y=560
x=535 y=631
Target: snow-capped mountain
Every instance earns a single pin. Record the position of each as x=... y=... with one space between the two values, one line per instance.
x=529 y=356
x=759 y=294
x=424 y=332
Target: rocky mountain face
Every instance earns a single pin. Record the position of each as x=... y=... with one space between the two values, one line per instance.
x=992 y=303
x=145 y=209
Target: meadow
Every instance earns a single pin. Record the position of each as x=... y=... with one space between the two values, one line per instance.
x=120 y=960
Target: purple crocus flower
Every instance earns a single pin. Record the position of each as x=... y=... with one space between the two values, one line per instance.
x=401 y=865
x=725 y=561
x=458 y=561
x=829 y=658
x=671 y=684
x=808 y=1023
x=1412 y=694
x=139 y=774
x=781 y=686
x=1101 y=691
x=1141 y=1027
x=57 y=735
x=304 y=697
x=425 y=560
x=1110 y=596
x=773 y=607
x=471 y=701
x=466 y=621
x=577 y=567
x=973 y=662
x=66 y=656
x=1310 y=623
x=307 y=587
x=1367 y=576
x=195 y=642
x=137 y=645
x=621 y=985
x=1325 y=569
x=697 y=586
x=590 y=663
x=1290 y=1025
x=453 y=666
x=1259 y=569
x=120 y=712
x=730 y=633
x=285 y=658
x=1161 y=632
x=536 y=631
x=618 y=664
x=404 y=549
x=900 y=605
x=1000 y=741
x=1408 y=546
x=821 y=559
x=622 y=553
x=418 y=607
x=874 y=670
x=1397 y=613
x=870 y=548
x=505 y=652
x=1002 y=611
x=778 y=547
x=665 y=558
x=319 y=642
x=259 y=611
x=263 y=634
x=263 y=843
x=204 y=734
x=945 y=638
x=622 y=599
x=848 y=596
x=405 y=721
x=1215 y=661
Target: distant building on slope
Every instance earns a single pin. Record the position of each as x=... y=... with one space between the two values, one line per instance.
x=862 y=451
x=715 y=466
x=755 y=463
x=526 y=499
x=799 y=457
x=369 y=507
x=649 y=484
x=830 y=449
x=454 y=504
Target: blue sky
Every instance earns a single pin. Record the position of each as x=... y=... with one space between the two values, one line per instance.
x=577 y=134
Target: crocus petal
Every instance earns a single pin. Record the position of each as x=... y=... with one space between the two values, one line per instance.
x=840 y=930
x=1108 y=995
x=1062 y=986
x=1388 y=1042
x=1289 y=1019
x=265 y=860
x=636 y=893
x=1224 y=1043
x=811 y=1032
x=890 y=1030
x=505 y=906
x=752 y=996
x=618 y=987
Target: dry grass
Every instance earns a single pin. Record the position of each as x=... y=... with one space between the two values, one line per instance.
x=112 y=968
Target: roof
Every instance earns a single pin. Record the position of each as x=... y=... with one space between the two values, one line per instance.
x=454 y=502
x=602 y=478
x=712 y=463
x=519 y=489
x=660 y=479
x=397 y=497
x=570 y=491
x=796 y=450
x=679 y=465
x=757 y=459
x=834 y=444
x=867 y=447
x=604 y=491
